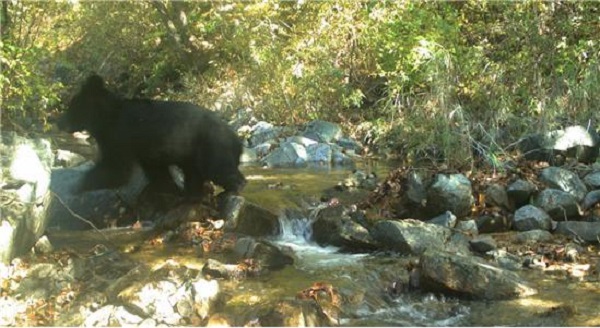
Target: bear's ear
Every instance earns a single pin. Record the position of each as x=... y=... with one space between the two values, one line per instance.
x=94 y=82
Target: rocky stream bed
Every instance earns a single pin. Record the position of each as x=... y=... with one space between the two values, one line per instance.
x=372 y=244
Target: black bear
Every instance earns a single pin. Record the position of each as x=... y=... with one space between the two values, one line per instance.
x=154 y=134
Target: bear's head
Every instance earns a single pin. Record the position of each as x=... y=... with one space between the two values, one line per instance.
x=85 y=106
x=231 y=180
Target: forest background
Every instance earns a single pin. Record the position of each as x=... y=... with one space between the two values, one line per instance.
x=418 y=79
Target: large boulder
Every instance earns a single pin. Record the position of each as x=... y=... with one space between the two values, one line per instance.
x=319 y=153
x=410 y=236
x=469 y=277
x=591 y=199
x=530 y=217
x=496 y=195
x=447 y=220
x=247 y=218
x=519 y=192
x=592 y=180
x=71 y=210
x=450 y=193
x=286 y=155
x=493 y=223
x=333 y=226
x=565 y=180
x=560 y=205
x=263 y=132
x=265 y=254
x=586 y=231
x=323 y=131
x=574 y=141
x=417 y=182
x=25 y=192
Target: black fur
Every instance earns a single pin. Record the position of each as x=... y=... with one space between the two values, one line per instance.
x=154 y=134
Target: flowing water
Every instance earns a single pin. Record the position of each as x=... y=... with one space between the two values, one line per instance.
x=364 y=280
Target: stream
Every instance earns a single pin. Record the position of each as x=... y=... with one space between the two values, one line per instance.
x=364 y=280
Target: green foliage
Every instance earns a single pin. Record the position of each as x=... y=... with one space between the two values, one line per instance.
x=431 y=77
x=28 y=92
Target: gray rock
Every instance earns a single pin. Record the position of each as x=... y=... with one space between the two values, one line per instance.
x=304 y=141
x=530 y=217
x=505 y=259
x=493 y=223
x=450 y=193
x=519 y=192
x=25 y=170
x=533 y=236
x=592 y=180
x=410 y=236
x=264 y=253
x=263 y=132
x=333 y=226
x=565 y=180
x=592 y=198
x=574 y=136
x=247 y=218
x=288 y=154
x=496 y=195
x=319 y=153
x=483 y=244
x=447 y=220
x=323 y=131
x=458 y=244
x=470 y=277
x=416 y=186
x=44 y=280
x=263 y=149
x=467 y=226
x=587 y=231
x=67 y=207
x=215 y=270
x=560 y=205
x=574 y=141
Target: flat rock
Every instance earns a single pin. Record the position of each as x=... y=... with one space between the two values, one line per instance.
x=469 y=277
x=410 y=236
x=587 y=231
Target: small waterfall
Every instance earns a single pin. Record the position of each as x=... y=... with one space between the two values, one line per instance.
x=296 y=234
x=295 y=228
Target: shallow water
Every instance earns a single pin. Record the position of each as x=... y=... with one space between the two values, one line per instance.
x=362 y=279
